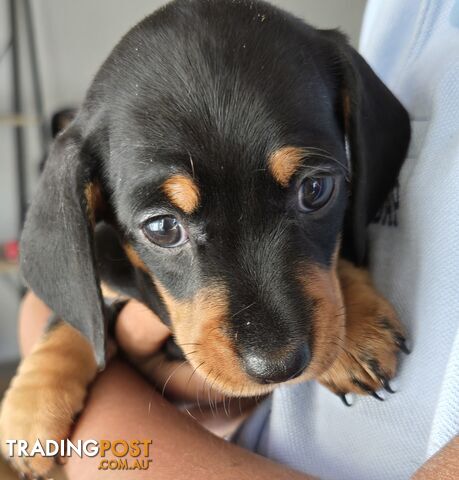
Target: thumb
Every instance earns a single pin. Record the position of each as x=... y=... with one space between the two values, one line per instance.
x=139 y=331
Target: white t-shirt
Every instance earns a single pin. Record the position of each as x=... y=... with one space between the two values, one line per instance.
x=413 y=45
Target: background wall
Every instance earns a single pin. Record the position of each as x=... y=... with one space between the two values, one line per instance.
x=73 y=38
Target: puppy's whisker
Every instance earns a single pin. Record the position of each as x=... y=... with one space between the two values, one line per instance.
x=229 y=404
x=198 y=400
x=171 y=375
x=243 y=309
x=191 y=415
x=242 y=391
x=192 y=165
x=224 y=402
x=191 y=353
x=206 y=384
x=193 y=372
x=311 y=153
x=188 y=384
x=210 y=394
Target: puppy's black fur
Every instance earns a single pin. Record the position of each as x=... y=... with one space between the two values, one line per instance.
x=209 y=89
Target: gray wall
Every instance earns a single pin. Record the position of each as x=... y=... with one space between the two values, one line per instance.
x=74 y=37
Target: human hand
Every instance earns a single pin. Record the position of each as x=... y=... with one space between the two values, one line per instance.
x=141 y=335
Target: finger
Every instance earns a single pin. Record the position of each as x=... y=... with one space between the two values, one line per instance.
x=178 y=380
x=139 y=331
x=111 y=349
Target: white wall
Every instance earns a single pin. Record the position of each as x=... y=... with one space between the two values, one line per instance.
x=73 y=38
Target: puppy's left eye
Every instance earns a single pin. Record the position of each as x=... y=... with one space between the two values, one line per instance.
x=165 y=231
x=315 y=192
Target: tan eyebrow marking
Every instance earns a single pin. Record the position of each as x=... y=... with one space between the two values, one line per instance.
x=183 y=192
x=283 y=163
x=93 y=195
x=134 y=258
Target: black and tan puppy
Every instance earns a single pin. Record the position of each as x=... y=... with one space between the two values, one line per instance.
x=229 y=158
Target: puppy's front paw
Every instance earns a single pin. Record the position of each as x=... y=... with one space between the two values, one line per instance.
x=45 y=395
x=374 y=337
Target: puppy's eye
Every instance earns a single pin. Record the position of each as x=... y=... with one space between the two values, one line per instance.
x=315 y=192
x=165 y=231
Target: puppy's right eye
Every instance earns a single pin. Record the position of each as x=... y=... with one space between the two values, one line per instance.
x=315 y=192
x=165 y=231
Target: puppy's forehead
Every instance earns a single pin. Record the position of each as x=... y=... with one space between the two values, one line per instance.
x=229 y=96
x=242 y=70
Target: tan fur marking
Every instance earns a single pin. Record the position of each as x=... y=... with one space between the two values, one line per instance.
x=283 y=163
x=94 y=201
x=340 y=339
x=371 y=323
x=202 y=320
x=346 y=326
x=322 y=285
x=47 y=392
x=134 y=258
x=108 y=292
x=183 y=192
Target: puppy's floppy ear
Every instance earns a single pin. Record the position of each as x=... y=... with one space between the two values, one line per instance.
x=378 y=131
x=57 y=248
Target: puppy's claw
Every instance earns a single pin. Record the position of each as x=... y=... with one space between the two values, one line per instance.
x=402 y=344
x=387 y=386
x=377 y=396
x=345 y=399
x=29 y=476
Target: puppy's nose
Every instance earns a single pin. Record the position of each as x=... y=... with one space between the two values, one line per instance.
x=266 y=368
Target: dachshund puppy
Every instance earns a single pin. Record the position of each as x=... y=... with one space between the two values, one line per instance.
x=222 y=170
